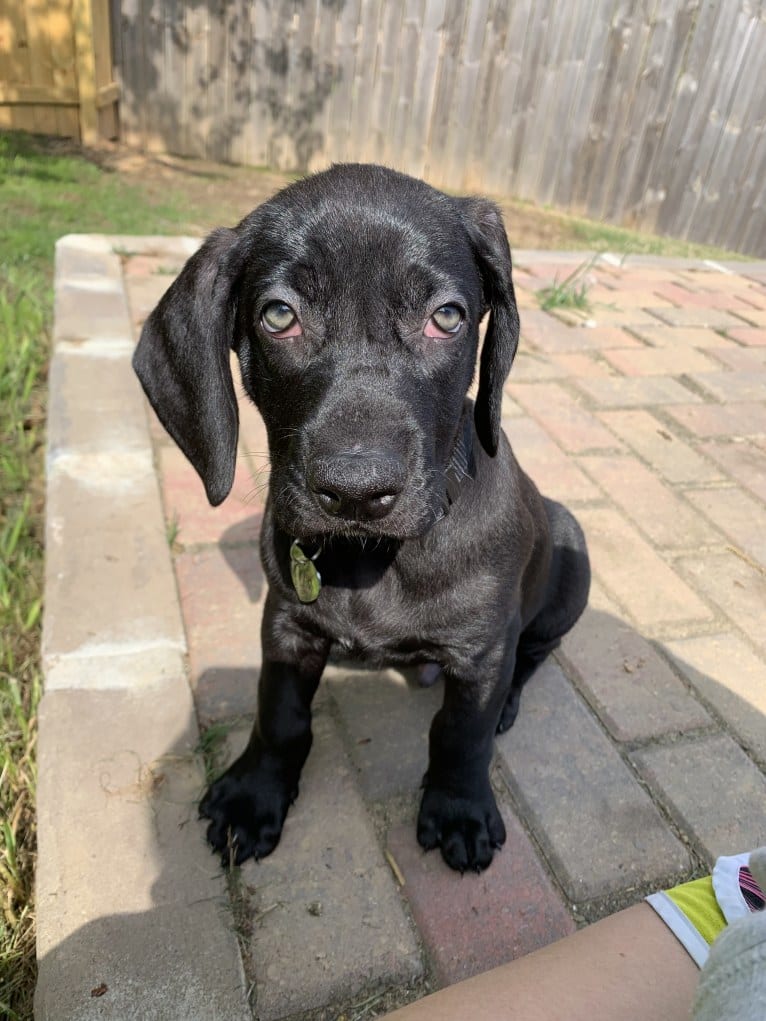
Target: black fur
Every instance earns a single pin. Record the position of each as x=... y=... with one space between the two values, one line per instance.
x=366 y=419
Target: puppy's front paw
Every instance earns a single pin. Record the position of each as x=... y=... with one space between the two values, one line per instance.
x=246 y=812
x=468 y=830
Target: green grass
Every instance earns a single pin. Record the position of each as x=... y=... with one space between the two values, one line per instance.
x=572 y=292
x=42 y=196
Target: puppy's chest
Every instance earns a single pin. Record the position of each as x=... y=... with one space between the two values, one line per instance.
x=373 y=624
x=398 y=619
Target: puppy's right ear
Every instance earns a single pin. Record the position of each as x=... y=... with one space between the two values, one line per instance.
x=182 y=360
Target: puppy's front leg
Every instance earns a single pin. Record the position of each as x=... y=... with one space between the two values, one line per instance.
x=458 y=812
x=247 y=805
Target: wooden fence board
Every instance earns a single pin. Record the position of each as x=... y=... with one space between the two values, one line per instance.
x=56 y=68
x=645 y=112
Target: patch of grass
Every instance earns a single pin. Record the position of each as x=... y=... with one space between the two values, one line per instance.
x=172 y=529
x=23 y=353
x=572 y=292
x=211 y=747
x=44 y=193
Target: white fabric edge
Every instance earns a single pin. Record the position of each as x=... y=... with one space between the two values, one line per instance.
x=680 y=926
x=726 y=886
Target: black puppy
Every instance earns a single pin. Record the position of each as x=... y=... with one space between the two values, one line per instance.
x=399 y=526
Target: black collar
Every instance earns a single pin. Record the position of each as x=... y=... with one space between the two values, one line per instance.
x=462 y=464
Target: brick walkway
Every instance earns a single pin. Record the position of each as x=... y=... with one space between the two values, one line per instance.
x=639 y=752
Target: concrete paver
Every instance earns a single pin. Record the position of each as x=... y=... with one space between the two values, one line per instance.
x=638 y=754
x=507 y=911
x=328 y=921
x=626 y=681
x=598 y=827
x=712 y=788
x=636 y=574
x=127 y=900
x=726 y=672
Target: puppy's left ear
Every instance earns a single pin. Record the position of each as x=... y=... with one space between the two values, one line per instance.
x=182 y=361
x=484 y=223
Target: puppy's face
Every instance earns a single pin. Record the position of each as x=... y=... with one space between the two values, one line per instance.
x=353 y=301
x=356 y=330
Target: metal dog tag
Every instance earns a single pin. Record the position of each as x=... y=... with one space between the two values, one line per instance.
x=307 y=580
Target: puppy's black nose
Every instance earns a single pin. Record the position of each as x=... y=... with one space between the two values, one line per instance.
x=360 y=486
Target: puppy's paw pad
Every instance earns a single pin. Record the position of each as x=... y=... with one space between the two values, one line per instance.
x=468 y=831
x=246 y=817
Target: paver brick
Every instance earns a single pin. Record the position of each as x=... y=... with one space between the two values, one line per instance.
x=96 y=405
x=757 y=318
x=709 y=298
x=476 y=922
x=635 y=391
x=729 y=675
x=713 y=790
x=634 y=692
x=78 y=255
x=636 y=575
x=678 y=337
x=660 y=361
x=328 y=920
x=745 y=462
x=627 y=320
x=714 y=318
x=533 y=366
x=735 y=585
x=143 y=293
x=387 y=718
x=752 y=336
x=223 y=592
x=109 y=586
x=661 y=515
x=597 y=826
x=737 y=514
x=674 y=459
x=732 y=386
x=237 y=519
x=739 y=359
x=585 y=365
x=90 y=309
x=126 y=893
x=544 y=461
x=570 y=424
x=709 y=420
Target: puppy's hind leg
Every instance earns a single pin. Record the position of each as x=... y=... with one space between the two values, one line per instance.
x=566 y=598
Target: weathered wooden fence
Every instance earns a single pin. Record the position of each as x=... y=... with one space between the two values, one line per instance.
x=56 y=68
x=650 y=113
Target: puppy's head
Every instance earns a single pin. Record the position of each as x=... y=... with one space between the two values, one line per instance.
x=353 y=301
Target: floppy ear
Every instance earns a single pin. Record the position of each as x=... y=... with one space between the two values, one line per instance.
x=182 y=360
x=484 y=223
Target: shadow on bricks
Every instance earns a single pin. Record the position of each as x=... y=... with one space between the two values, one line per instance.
x=600 y=807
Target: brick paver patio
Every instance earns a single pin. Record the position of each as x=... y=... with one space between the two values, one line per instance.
x=640 y=748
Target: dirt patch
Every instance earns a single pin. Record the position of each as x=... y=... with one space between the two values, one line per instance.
x=217 y=194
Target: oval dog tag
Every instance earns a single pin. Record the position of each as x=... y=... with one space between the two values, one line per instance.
x=307 y=580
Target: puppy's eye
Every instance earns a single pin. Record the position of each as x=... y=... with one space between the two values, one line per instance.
x=278 y=319
x=445 y=321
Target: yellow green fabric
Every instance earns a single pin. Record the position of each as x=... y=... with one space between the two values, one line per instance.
x=698 y=902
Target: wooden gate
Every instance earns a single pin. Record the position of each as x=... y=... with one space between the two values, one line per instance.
x=56 y=68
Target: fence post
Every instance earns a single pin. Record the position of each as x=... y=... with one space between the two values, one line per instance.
x=85 y=68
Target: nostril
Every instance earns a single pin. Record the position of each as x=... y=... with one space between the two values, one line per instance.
x=328 y=500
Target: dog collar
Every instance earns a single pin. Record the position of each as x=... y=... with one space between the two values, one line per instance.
x=307 y=581
x=462 y=464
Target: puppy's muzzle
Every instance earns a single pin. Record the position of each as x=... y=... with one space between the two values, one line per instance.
x=357 y=485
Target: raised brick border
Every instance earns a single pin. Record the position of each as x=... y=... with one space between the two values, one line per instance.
x=639 y=751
